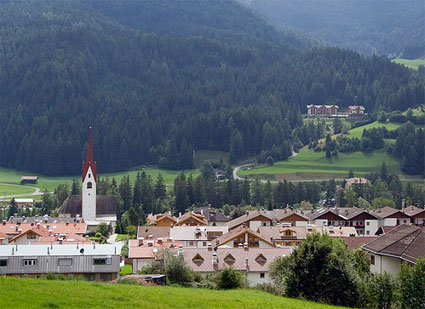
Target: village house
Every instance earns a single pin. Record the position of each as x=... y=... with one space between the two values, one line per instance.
x=325 y=217
x=16 y=227
x=327 y=110
x=145 y=252
x=89 y=261
x=213 y=216
x=291 y=236
x=24 y=202
x=403 y=243
x=417 y=215
x=355 y=111
x=354 y=181
x=161 y=219
x=290 y=217
x=242 y=236
x=191 y=219
x=153 y=232
x=365 y=223
x=197 y=236
x=390 y=216
x=253 y=262
x=253 y=220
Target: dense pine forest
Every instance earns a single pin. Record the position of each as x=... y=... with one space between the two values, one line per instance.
x=160 y=79
x=391 y=27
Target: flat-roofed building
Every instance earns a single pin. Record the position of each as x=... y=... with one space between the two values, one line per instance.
x=89 y=261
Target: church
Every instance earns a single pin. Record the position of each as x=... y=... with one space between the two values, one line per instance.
x=92 y=208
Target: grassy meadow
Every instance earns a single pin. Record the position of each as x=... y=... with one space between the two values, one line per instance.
x=410 y=63
x=309 y=165
x=357 y=132
x=37 y=293
x=9 y=176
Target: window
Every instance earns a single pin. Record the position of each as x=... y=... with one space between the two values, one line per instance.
x=262 y=275
x=65 y=262
x=89 y=277
x=229 y=259
x=264 y=223
x=106 y=277
x=31 y=236
x=89 y=185
x=198 y=260
x=3 y=263
x=89 y=175
x=261 y=260
x=30 y=262
x=372 y=260
x=204 y=243
x=367 y=223
x=102 y=261
x=191 y=243
x=367 y=232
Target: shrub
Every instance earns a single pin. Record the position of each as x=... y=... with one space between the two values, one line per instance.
x=411 y=285
x=177 y=271
x=381 y=291
x=128 y=281
x=228 y=278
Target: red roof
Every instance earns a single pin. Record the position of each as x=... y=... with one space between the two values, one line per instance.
x=89 y=161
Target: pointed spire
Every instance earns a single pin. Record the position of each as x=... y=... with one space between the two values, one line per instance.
x=89 y=160
x=90 y=148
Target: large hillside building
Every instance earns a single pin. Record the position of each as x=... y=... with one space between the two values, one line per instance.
x=92 y=208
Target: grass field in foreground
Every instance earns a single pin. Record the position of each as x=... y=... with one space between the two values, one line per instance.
x=410 y=63
x=37 y=293
x=9 y=176
x=307 y=164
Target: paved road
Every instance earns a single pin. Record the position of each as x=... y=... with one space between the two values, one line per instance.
x=235 y=171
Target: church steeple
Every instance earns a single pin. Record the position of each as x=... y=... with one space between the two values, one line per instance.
x=89 y=160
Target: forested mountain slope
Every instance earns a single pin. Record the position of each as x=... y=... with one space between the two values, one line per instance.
x=154 y=98
x=390 y=27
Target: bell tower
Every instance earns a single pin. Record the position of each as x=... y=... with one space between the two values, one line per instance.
x=89 y=178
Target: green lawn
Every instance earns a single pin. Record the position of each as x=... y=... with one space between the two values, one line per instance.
x=10 y=176
x=126 y=270
x=14 y=189
x=124 y=237
x=357 y=132
x=37 y=293
x=412 y=64
x=314 y=165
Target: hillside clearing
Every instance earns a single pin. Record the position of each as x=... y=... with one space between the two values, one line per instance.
x=309 y=165
x=410 y=63
x=31 y=293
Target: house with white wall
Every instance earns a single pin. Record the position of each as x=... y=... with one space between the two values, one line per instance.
x=405 y=243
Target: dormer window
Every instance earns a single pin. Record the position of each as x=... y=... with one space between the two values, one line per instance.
x=261 y=260
x=198 y=260
x=229 y=259
x=89 y=185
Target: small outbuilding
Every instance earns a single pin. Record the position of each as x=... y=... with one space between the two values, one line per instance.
x=29 y=179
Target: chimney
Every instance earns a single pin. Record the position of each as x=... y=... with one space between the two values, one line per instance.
x=245 y=246
x=247 y=263
x=159 y=240
x=240 y=245
x=150 y=243
x=209 y=246
x=214 y=258
x=141 y=241
x=180 y=252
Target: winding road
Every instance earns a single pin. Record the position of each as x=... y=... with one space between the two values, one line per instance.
x=36 y=192
x=235 y=171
